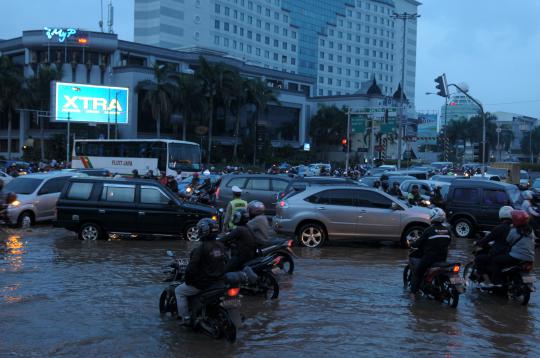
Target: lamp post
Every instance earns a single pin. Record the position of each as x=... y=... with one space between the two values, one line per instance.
x=463 y=88
x=405 y=17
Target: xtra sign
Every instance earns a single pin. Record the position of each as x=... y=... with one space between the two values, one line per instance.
x=88 y=103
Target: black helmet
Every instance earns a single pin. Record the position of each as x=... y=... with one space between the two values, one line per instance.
x=255 y=208
x=396 y=183
x=240 y=217
x=207 y=229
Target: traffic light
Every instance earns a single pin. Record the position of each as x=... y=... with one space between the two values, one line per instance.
x=442 y=86
x=476 y=152
x=344 y=144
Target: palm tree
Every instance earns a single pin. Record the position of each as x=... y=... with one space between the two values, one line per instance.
x=215 y=81
x=158 y=94
x=11 y=89
x=38 y=94
x=239 y=88
x=187 y=98
x=261 y=95
x=327 y=126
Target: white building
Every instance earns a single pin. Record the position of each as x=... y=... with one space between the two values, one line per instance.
x=339 y=43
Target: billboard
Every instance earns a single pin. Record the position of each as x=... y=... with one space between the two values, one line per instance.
x=427 y=128
x=90 y=104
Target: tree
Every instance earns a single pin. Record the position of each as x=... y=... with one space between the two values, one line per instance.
x=530 y=143
x=186 y=98
x=215 y=81
x=38 y=95
x=327 y=127
x=11 y=90
x=240 y=89
x=261 y=95
x=158 y=94
x=474 y=132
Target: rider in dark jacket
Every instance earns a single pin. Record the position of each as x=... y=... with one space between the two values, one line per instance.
x=414 y=197
x=242 y=241
x=432 y=246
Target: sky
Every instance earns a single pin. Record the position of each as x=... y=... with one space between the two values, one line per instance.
x=492 y=45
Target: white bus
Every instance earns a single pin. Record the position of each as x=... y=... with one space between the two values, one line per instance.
x=122 y=156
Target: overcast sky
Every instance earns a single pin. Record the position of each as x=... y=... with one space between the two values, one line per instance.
x=492 y=45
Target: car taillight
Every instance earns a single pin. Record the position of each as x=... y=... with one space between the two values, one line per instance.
x=233 y=292
x=527 y=267
x=455 y=268
x=290 y=243
x=217 y=192
x=277 y=260
x=283 y=204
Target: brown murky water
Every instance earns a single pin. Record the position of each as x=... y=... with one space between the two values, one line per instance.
x=63 y=297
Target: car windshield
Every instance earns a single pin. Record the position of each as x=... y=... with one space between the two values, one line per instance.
x=184 y=157
x=23 y=185
x=524 y=176
x=536 y=184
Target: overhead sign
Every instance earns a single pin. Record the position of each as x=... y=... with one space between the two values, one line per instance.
x=427 y=128
x=60 y=34
x=358 y=123
x=388 y=127
x=92 y=104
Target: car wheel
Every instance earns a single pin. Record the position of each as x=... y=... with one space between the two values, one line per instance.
x=463 y=228
x=25 y=220
x=190 y=233
x=90 y=232
x=411 y=234
x=312 y=235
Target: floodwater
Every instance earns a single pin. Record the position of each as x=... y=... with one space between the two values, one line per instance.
x=63 y=297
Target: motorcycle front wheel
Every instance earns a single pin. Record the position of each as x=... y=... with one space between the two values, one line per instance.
x=269 y=285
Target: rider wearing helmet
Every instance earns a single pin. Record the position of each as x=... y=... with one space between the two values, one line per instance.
x=497 y=236
x=258 y=222
x=521 y=245
x=437 y=198
x=234 y=205
x=414 y=197
x=206 y=266
x=395 y=190
x=527 y=205
x=432 y=246
x=242 y=241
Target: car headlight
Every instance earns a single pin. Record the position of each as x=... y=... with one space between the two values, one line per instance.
x=15 y=203
x=214 y=217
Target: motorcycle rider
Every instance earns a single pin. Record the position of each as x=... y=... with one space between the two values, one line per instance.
x=527 y=205
x=395 y=190
x=172 y=184
x=258 y=222
x=497 y=236
x=236 y=204
x=432 y=246
x=414 y=197
x=521 y=243
x=206 y=267
x=243 y=242
x=437 y=197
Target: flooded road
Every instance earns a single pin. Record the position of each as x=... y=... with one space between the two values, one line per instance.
x=63 y=297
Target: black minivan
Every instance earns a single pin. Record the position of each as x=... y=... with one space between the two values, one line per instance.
x=97 y=207
x=473 y=204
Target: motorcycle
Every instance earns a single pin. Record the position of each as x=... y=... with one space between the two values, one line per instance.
x=517 y=285
x=282 y=252
x=214 y=311
x=440 y=282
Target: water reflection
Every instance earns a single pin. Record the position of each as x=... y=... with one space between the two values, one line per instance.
x=12 y=250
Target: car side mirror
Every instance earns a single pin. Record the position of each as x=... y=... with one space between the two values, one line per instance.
x=395 y=207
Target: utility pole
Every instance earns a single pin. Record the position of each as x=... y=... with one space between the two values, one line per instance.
x=68 y=135
x=405 y=17
x=116 y=116
x=347 y=154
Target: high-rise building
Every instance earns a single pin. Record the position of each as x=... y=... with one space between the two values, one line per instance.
x=459 y=106
x=339 y=43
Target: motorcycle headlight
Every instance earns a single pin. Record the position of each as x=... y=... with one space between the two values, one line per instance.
x=15 y=203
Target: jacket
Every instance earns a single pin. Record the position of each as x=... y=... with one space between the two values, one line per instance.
x=243 y=243
x=233 y=206
x=498 y=236
x=521 y=245
x=434 y=243
x=206 y=265
x=260 y=228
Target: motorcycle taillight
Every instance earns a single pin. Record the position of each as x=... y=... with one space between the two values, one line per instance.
x=527 y=267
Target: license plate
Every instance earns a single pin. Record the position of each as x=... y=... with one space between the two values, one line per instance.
x=456 y=280
x=232 y=303
x=528 y=278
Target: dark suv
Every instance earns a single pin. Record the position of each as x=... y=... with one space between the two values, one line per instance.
x=96 y=207
x=474 y=204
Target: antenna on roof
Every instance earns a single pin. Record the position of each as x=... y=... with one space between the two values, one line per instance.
x=110 y=17
x=101 y=18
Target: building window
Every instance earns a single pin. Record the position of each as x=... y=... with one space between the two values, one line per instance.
x=248 y=48
x=216 y=40
x=275 y=56
x=321 y=54
x=226 y=26
x=276 y=15
x=249 y=35
x=283 y=59
x=293 y=48
x=259 y=23
x=285 y=32
x=258 y=37
x=293 y=34
x=241 y=31
x=320 y=92
x=226 y=42
x=267 y=40
x=276 y=29
x=293 y=61
x=329 y=80
x=267 y=26
x=227 y=11
x=258 y=51
x=285 y=19
x=330 y=69
x=321 y=67
x=284 y=45
x=276 y=43
x=266 y=54
x=216 y=24
x=217 y=8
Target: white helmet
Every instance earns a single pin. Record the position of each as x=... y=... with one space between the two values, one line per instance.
x=206 y=172
x=437 y=215
x=527 y=195
x=506 y=212
x=236 y=189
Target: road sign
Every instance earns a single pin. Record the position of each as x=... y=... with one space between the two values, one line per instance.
x=388 y=127
x=358 y=123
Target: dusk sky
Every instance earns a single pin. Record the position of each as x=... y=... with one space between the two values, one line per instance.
x=492 y=45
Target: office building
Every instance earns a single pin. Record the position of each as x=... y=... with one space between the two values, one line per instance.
x=338 y=43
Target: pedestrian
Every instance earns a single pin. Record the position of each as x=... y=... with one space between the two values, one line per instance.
x=233 y=206
x=163 y=179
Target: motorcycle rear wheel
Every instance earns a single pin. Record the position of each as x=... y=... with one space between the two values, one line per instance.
x=449 y=294
x=286 y=264
x=407 y=277
x=269 y=285
x=519 y=291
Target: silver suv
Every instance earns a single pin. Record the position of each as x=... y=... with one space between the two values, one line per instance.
x=340 y=212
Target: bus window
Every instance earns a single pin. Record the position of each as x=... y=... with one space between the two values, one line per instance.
x=184 y=157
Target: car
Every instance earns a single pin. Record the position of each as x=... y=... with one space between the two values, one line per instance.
x=322 y=213
x=524 y=180
x=441 y=165
x=97 y=208
x=370 y=180
x=262 y=187
x=300 y=184
x=487 y=176
x=422 y=175
x=536 y=185
x=473 y=205
x=36 y=197
x=315 y=169
x=426 y=187
x=91 y=172
x=447 y=178
x=5 y=177
x=390 y=168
